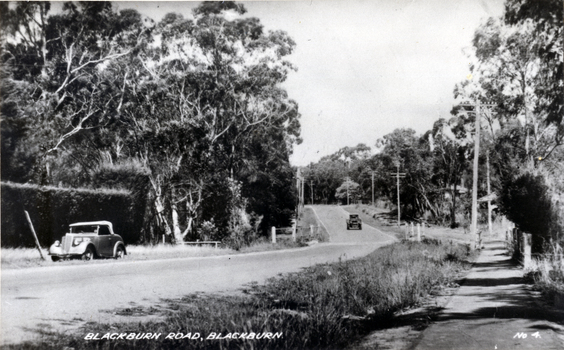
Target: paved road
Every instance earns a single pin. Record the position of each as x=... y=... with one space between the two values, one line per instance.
x=493 y=309
x=64 y=297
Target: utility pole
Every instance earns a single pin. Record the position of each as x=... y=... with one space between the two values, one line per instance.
x=347 y=181
x=398 y=175
x=300 y=188
x=475 y=172
x=372 y=187
x=302 y=195
x=489 y=192
x=477 y=106
x=311 y=192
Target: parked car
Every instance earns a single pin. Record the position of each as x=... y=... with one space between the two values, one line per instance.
x=354 y=221
x=89 y=240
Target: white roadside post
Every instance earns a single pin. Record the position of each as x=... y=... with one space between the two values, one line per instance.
x=294 y=232
x=273 y=234
x=418 y=232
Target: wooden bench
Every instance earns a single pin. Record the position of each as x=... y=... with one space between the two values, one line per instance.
x=202 y=242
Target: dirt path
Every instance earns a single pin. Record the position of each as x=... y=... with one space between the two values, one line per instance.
x=494 y=309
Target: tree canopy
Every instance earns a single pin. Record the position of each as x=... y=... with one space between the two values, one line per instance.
x=193 y=105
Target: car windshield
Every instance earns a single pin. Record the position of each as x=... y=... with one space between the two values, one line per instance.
x=354 y=216
x=84 y=229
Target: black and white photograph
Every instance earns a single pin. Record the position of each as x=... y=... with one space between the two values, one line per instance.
x=310 y=174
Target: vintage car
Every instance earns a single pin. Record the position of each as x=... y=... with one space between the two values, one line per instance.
x=89 y=240
x=354 y=221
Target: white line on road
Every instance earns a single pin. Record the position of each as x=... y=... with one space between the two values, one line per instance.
x=319 y=220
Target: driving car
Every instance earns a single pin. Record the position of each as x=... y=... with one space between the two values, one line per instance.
x=354 y=221
x=89 y=240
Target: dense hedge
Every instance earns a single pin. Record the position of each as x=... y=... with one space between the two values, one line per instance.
x=527 y=202
x=52 y=209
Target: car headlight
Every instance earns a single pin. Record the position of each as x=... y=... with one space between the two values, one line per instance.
x=79 y=240
x=57 y=244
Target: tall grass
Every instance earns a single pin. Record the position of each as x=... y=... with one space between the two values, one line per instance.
x=23 y=257
x=307 y=219
x=323 y=307
x=547 y=273
x=13 y=258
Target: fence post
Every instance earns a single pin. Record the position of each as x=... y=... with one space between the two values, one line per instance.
x=516 y=242
x=273 y=234
x=418 y=232
x=294 y=232
x=412 y=230
x=527 y=242
x=406 y=231
x=311 y=230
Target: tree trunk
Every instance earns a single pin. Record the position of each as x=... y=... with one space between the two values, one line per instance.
x=159 y=206
x=175 y=225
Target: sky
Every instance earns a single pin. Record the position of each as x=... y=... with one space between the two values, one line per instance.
x=365 y=67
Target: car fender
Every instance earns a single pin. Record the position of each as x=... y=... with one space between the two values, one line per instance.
x=55 y=249
x=81 y=248
x=116 y=247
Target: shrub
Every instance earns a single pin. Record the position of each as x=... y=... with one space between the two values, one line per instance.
x=526 y=202
x=52 y=209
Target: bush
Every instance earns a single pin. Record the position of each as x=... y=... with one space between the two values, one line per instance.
x=526 y=202
x=52 y=209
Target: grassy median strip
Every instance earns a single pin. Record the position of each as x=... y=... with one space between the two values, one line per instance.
x=327 y=306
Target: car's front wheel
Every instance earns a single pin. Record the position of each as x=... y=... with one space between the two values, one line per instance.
x=120 y=252
x=88 y=254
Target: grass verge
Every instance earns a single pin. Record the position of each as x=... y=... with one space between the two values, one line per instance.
x=18 y=258
x=326 y=306
x=547 y=274
x=387 y=220
x=308 y=219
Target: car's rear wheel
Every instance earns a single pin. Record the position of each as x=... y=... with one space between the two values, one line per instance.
x=55 y=258
x=88 y=254
x=120 y=252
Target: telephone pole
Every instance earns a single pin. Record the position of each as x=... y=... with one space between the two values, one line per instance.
x=477 y=107
x=372 y=187
x=311 y=192
x=347 y=181
x=398 y=175
x=300 y=188
x=475 y=172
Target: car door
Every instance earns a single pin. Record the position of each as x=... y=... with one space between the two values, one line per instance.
x=105 y=241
